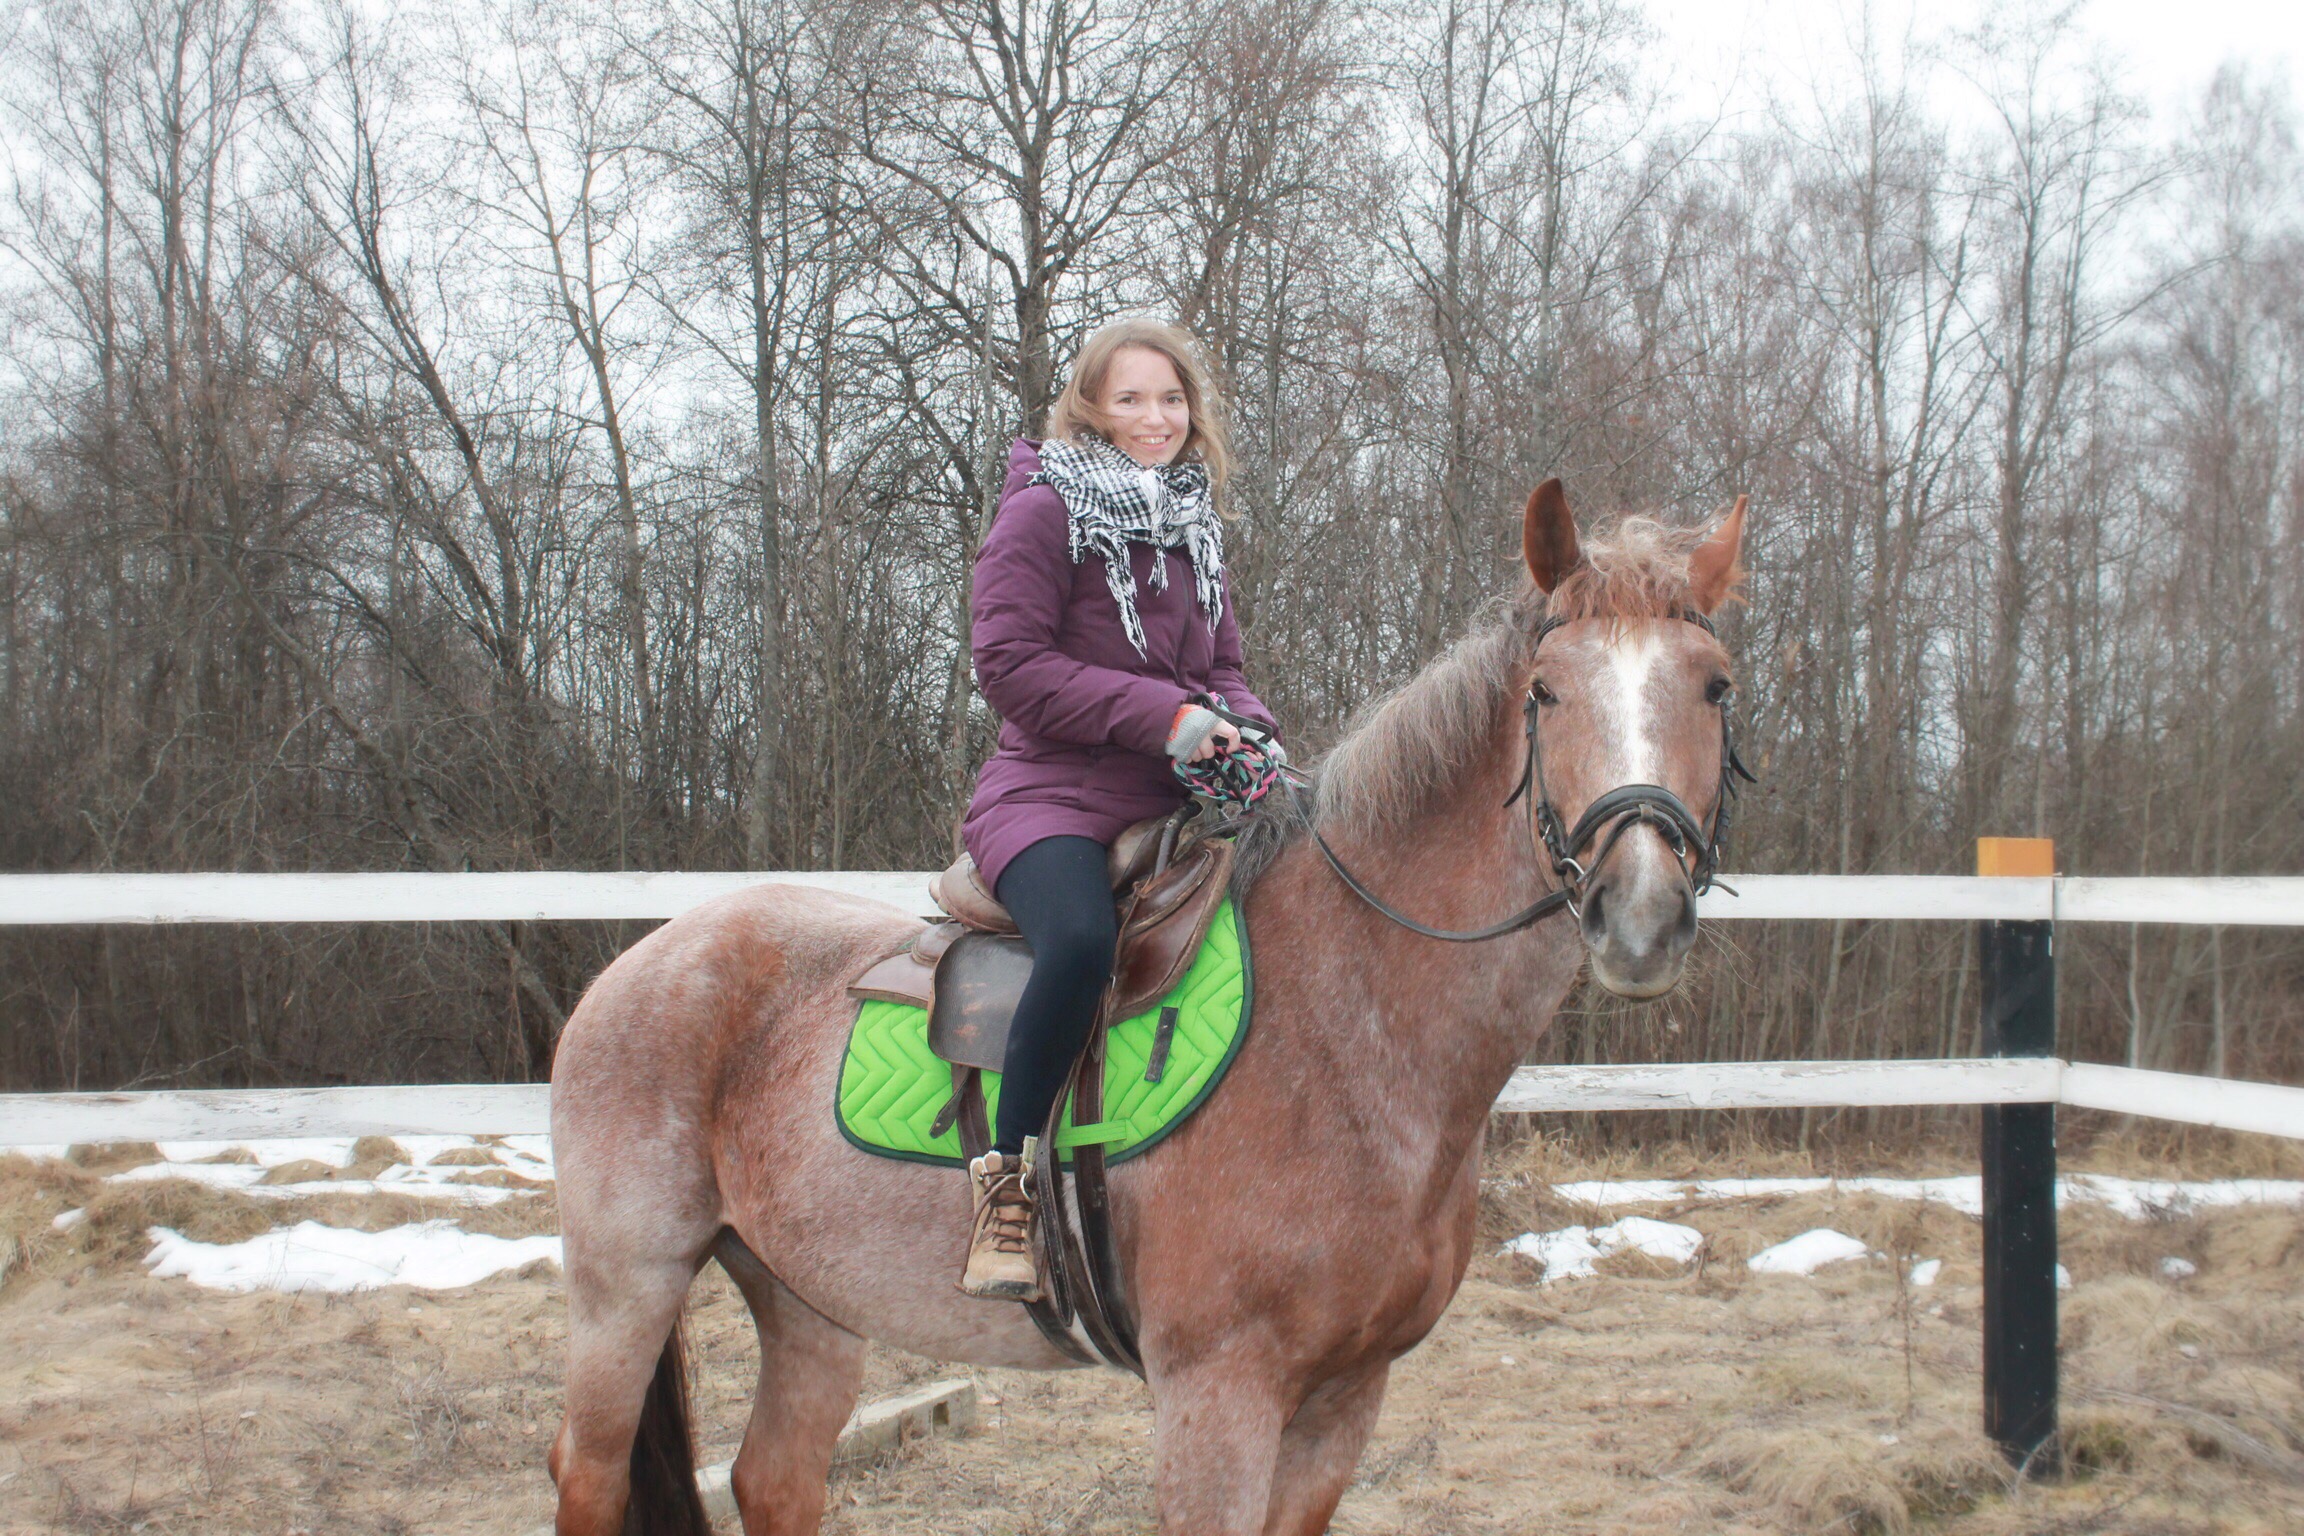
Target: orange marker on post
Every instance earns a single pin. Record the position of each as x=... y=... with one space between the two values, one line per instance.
x=2035 y=856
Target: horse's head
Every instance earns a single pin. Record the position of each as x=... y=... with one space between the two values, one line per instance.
x=1630 y=744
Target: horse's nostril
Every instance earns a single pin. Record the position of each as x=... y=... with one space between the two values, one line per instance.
x=1687 y=924
x=1595 y=920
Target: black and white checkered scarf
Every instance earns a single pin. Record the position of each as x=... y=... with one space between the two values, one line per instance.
x=1105 y=492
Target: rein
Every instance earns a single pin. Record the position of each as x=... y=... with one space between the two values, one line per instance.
x=1604 y=821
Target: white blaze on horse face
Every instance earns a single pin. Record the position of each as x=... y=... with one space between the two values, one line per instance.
x=1633 y=656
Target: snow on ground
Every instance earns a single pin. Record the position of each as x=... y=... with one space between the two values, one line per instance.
x=1807 y=1253
x=528 y=1156
x=452 y=1183
x=1570 y=1253
x=429 y=1255
x=335 y=1151
x=433 y=1254
x=2133 y=1198
x=423 y=1174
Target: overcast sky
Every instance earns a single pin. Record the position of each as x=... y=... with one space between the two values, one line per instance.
x=1738 y=51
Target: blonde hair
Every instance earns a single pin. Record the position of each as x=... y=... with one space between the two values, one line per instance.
x=1077 y=410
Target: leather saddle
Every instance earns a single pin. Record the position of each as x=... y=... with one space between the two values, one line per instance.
x=969 y=970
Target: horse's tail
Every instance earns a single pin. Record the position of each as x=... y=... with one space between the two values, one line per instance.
x=664 y=1500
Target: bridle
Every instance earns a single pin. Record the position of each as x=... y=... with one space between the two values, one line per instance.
x=1598 y=830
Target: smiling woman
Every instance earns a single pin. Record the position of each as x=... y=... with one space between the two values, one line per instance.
x=1102 y=633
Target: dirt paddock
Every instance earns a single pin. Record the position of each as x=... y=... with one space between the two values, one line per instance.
x=1636 y=1401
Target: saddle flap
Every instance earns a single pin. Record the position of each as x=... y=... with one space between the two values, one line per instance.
x=1165 y=926
x=909 y=975
x=978 y=980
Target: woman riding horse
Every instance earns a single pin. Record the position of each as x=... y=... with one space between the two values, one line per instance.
x=1100 y=613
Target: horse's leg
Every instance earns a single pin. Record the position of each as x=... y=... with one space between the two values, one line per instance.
x=809 y=1371
x=1319 y=1449
x=619 y=1317
x=1215 y=1435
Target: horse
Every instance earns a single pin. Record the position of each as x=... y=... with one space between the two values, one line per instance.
x=1310 y=1222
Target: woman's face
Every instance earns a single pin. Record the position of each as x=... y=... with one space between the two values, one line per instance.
x=1144 y=406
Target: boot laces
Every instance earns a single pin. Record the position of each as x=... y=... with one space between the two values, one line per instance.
x=1006 y=1210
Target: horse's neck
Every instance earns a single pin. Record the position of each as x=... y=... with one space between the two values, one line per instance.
x=1440 y=1025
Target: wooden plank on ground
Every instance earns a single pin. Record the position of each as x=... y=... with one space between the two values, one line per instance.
x=2268 y=1108
x=1780 y=1085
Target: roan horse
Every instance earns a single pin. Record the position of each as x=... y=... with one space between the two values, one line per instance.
x=1306 y=1227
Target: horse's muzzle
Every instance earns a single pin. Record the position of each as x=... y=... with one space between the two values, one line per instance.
x=1639 y=918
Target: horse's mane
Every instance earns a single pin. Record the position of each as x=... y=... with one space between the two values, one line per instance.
x=1400 y=752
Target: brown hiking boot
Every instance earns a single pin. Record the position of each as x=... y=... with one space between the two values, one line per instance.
x=1000 y=1245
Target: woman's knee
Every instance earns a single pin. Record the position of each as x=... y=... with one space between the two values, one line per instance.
x=1079 y=944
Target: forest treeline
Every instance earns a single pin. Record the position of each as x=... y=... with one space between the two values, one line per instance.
x=556 y=435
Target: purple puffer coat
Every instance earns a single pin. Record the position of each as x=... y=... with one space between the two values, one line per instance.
x=1084 y=719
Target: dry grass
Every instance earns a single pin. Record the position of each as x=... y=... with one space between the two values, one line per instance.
x=1717 y=1401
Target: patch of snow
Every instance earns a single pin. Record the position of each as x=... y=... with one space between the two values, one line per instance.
x=1607 y=1192
x=421 y=1149
x=2133 y=1198
x=2139 y=1198
x=335 y=1151
x=454 y=1176
x=1926 y=1271
x=66 y=1220
x=2172 y=1266
x=2063 y=1278
x=1567 y=1254
x=245 y=1178
x=525 y=1153
x=1570 y=1253
x=1664 y=1240
x=430 y=1255
x=1807 y=1253
x=213 y=1175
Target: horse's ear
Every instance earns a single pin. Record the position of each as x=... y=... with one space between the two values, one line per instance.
x=1548 y=535
x=1714 y=571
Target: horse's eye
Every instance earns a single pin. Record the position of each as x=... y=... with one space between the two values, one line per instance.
x=1543 y=694
x=1717 y=691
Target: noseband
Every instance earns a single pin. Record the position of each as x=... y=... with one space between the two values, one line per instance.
x=1598 y=830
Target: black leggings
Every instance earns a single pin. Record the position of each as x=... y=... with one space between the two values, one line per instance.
x=1057 y=891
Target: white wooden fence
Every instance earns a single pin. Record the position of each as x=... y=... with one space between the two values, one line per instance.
x=550 y=895
x=560 y=896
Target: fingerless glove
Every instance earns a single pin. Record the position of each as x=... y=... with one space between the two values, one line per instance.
x=1189 y=729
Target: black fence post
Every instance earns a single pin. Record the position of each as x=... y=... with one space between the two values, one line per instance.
x=2018 y=965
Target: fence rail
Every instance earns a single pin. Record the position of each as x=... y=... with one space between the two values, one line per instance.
x=50 y=1119
x=557 y=895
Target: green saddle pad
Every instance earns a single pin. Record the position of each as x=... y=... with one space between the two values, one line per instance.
x=892 y=1086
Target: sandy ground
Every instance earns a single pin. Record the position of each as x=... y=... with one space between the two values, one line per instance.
x=1713 y=1401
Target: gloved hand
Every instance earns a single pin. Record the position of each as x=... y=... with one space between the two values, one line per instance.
x=1199 y=733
